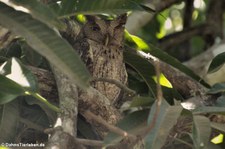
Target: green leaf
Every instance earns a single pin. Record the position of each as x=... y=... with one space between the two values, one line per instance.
x=31 y=56
x=166 y=118
x=217 y=88
x=141 y=101
x=201 y=131
x=218 y=126
x=147 y=8
x=163 y=81
x=143 y=67
x=85 y=129
x=16 y=71
x=100 y=6
x=15 y=80
x=38 y=10
x=204 y=110
x=146 y=70
x=68 y=7
x=35 y=114
x=18 y=80
x=176 y=64
x=220 y=102
x=9 y=86
x=217 y=139
x=133 y=123
x=217 y=63
x=51 y=114
x=9 y=119
x=171 y=94
x=47 y=43
x=6 y=97
x=142 y=45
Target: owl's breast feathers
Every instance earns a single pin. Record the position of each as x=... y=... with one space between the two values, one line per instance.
x=99 y=44
x=104 y=62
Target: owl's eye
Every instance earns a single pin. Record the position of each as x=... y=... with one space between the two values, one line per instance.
x=96 y=28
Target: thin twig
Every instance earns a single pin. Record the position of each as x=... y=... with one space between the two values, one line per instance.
x=117 y=83
x=31 y=124
x=159 y=88
x=182 y=141
x=158 y=100
x=90 y=142
x=92 y=117
x=153 y=122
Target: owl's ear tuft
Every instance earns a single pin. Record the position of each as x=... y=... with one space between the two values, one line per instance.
x=91 y=18
x=122 y=19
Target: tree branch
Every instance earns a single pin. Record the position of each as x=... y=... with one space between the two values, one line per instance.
x=90 y=142
x=208 y=30
x=138 y=19
x=118 y=84
x=91 y=117
x=179 y=37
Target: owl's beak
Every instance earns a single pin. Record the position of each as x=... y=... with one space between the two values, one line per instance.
x=107 y=39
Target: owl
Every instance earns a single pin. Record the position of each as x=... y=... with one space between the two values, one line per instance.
x=100 y=45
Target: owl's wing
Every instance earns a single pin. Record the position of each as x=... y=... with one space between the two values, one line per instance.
x=84 y=49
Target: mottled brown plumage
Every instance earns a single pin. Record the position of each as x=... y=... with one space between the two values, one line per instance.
x=100 y=44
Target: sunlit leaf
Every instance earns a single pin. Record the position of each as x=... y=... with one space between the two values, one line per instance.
x=140 y=44
x=217 y=63
x=171 y=61
x=217 y=139
x=2 y=147
x=9 y=86
x=163 y=81
x=16 y=71
x=16 y=79
x=47 y=43
x=201 y=131
x=166 y=118
x=161 y=20
x=81 y=18
x=176 y=64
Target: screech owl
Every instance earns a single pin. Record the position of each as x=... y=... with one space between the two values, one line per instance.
x=100 y=44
